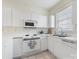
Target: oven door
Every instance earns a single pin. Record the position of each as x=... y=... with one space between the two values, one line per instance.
x=31 y=46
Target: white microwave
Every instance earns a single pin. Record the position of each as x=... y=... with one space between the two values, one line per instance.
x=30 y=23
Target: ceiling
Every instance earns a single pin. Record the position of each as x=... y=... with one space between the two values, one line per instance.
x=38 y=3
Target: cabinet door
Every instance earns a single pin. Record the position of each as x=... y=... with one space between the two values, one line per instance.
x=51 y=44
x=52 y=21
x=61 y=50
x=6 y=17
x=7 y=46
x=43 y=43
x=18 y=17
x=58 y=48
x=42 y=21
x=17 y=47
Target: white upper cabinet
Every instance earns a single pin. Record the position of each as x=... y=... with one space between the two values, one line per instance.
x=14 y=17
x=42 y=21
x=18 y=18
x=52 y=21
x=6 y=17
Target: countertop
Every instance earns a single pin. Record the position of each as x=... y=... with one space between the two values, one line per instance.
x=68 y=39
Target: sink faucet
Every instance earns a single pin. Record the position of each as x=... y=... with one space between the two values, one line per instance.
x=62 y=32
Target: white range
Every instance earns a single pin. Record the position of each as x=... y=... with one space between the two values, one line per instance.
x=31 y=44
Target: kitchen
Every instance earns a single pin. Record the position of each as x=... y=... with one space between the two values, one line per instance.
x=39 y=29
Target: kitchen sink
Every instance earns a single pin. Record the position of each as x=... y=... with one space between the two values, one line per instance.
x=69 y=39
x=60 y=35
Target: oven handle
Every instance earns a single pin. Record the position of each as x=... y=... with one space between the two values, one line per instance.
x=26 y=39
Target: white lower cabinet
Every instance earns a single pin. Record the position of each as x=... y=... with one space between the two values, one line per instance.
x=21 y=47
x=60 y=49
x=17 y=47
x=7 y=46
x=50 y=44
x=43 y=43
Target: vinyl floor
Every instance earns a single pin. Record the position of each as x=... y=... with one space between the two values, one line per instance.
x=42 y=55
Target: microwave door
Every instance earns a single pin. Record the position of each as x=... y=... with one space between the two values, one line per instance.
x=29 y=24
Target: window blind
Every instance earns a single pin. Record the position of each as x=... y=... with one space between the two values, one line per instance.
x=64 y=20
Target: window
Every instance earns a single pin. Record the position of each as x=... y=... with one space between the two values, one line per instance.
x=64 y=20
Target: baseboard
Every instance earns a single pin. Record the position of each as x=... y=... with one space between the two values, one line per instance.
x=17 y=58
x=24 y=56
x=52 y=55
